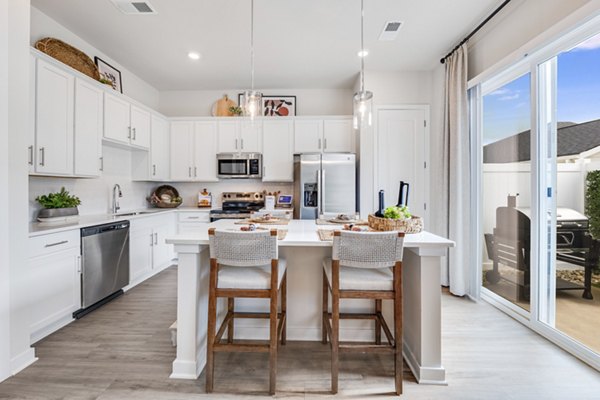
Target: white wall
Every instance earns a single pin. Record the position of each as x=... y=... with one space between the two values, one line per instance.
x=4 y=212
x=43 y=26
x=199 y=103
x=14 y=80
x=515 y=26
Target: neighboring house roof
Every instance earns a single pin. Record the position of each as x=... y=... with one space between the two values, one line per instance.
x=572 y=139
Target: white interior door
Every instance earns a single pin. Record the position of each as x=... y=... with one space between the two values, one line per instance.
x=401 y=156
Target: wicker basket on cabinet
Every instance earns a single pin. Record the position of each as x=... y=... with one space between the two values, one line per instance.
x=413 y=224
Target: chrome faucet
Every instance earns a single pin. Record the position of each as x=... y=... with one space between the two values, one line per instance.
x=115 y=201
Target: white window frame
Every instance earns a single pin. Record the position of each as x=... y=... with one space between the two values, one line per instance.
x=542 y=114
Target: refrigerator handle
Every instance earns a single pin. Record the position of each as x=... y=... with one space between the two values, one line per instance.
x=322 y=189
x=319 y=193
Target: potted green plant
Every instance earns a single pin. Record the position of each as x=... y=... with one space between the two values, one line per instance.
x=58 y=205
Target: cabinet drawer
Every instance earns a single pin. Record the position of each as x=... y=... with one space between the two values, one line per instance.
x=199 y=216
x=47 y=244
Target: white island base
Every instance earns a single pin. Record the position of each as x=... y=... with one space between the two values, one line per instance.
x=304 y=252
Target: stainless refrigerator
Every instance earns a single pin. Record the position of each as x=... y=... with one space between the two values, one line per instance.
x=324 y=184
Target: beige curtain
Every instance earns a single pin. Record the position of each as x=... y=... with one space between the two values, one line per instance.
x=456 y=179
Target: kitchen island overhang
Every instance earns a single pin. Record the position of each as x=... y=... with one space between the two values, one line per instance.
x=304 y=252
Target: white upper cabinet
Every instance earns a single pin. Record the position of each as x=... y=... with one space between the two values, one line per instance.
x=159 y=149
x=88 y=129
x=54 y=120
x=338 y=136
x=125 y=123
x=116 y=119
x=250 y=136
x=239 y=136
x=228 y=139
x=278 y=151
x=324 y=135
x=308 y=136
x=31 y=136
x=182 y=141
x=140 y=127
x=205 y=151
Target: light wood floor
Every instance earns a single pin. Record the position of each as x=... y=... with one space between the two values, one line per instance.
x=123 y=351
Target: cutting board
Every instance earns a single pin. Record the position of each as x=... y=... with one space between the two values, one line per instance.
x=221 y=107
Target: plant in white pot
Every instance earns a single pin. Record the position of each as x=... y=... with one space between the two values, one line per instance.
x=59 y=205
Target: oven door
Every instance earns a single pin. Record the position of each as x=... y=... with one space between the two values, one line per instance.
x=232 y=168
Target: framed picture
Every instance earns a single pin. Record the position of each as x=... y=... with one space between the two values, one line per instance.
x=279 y=106
x=275 y=106
x=109 y=73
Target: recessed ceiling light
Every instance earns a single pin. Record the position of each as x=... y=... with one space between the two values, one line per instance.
x=363 y=53
x=193 y=55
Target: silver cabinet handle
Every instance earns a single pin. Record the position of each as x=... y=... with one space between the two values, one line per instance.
x=57 y=243
x=324 y=143
x=156 y=238
x=30 y=148
x=236 y=144
x=42 y=156
x=151 y=239
x=101 y=163
x=190 y=171
x=129 y=132
x=133 y=133
x=78 y=264
x=264 y=171
x=154 y=169
x=195 y=172
x=319 y=146
x=242 y=144
x=193 y=217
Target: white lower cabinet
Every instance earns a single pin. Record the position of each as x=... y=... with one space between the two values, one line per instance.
x=148 y=252
x=193 y=221
x=54 y=271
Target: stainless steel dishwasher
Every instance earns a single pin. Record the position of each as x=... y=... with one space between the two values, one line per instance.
x=105 y=264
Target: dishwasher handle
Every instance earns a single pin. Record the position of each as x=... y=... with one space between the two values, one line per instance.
x=98 y=229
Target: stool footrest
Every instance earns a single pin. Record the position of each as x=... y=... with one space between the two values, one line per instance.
x=241 y=347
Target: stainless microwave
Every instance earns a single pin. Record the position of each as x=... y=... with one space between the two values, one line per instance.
x=239 y=165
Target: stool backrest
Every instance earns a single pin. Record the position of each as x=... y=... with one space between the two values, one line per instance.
x=368 y=249
x=243 y=249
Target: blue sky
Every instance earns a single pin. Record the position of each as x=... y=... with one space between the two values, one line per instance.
x=506 y=111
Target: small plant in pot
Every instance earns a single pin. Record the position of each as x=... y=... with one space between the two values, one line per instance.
x=59 y=205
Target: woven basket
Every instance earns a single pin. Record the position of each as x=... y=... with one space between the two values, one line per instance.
x=155 y=198
x=69 y=55
x=411 y=225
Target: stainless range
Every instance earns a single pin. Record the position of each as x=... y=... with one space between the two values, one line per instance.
x=238 y=205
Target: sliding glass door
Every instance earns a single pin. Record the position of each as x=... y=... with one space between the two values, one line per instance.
x=506 y=183
x=536 y=126
x=570 y=110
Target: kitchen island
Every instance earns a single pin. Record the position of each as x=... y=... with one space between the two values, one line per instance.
x=304 y=252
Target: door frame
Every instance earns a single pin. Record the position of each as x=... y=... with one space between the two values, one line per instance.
x=426 y=150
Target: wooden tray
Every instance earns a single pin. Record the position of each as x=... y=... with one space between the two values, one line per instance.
x=322 y=221
x=281 y=233
x=68 y=55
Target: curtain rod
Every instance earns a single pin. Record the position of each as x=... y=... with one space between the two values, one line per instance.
x=470 y=35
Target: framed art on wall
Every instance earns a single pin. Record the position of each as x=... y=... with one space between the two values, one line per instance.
x=279 y=106
x=108 y=73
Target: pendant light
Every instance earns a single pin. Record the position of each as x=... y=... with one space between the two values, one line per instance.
x=363 y=99
x=252 y=103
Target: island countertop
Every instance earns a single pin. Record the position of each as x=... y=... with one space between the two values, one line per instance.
x=304 y=233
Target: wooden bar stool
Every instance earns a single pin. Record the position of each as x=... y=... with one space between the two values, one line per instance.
x=245 y=264
x=364 y=266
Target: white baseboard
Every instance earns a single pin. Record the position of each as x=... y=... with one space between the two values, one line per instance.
x=22 y=361
x=41 y=333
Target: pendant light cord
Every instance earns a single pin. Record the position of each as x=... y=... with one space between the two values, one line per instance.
x=252 y=44
x=362 y=46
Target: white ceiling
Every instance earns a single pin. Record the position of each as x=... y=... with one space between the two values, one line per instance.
x=298 y=43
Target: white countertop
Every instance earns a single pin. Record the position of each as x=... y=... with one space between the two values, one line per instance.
x=44 y=228
x=304 y=233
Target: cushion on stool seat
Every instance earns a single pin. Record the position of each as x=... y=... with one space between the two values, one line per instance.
x=362 y=278
x=258 y=277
